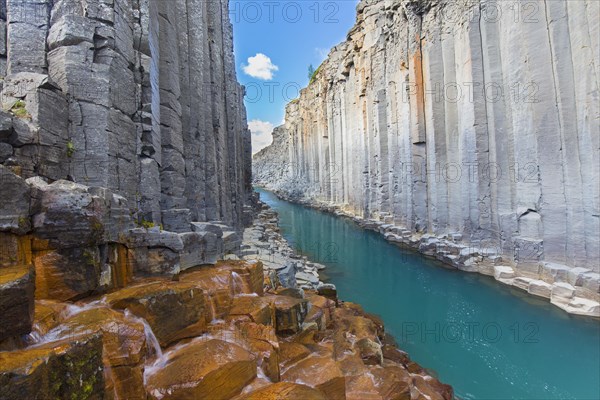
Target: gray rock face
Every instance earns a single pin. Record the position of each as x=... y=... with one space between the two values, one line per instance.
x=126 y=95
x=483 y=126
x=123 y=134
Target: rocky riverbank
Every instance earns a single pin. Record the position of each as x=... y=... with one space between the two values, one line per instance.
x=233 y=330
x=575 y=290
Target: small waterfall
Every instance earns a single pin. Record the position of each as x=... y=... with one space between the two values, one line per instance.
x=74 y=309
x=34 y=337
x=239 y=285
x=213 y=309
x=151 y=340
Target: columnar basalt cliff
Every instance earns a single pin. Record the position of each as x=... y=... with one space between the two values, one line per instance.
x=123 y=140
x=466 y=129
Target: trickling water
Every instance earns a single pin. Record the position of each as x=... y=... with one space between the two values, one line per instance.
x=151 y=341
x=489 y=341
x=213 y=307
x=239 y=285
x=73 y=309
x=34 y=337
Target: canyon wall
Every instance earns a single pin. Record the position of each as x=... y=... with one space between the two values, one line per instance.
x=124 y=147
x=474 y=121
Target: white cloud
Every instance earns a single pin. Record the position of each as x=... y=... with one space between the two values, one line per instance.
x=260 y=66
x=261 y=134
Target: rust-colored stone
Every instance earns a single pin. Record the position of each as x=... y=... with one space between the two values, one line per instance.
x=319 y=372
x=212 y=369
x=69 y=369
x=284 y=390
x=257 y=309
x=174 y=310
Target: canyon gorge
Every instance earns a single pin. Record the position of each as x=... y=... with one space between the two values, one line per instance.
x=145 y=253
x=467 y=130
x=136 y=262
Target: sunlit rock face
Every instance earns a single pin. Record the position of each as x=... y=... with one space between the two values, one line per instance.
x=470 y=121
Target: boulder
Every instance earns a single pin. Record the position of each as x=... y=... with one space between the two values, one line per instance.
x=123 y=338
x=576 y=276
x=174 y=310
x=216 y=284
x=503 y=273
x=540 y=288
x=321 y=373
x=204 y=369
x=552 y=272
x=17 y=286
x=289 y=313
x=264 y=344
x=69 y=369
x=284 y=390
x=48 y=315
x=252 y=308
x=522 y=282
x=392 y=382
x=370 y=351
x=562 y=290
x=290 y=353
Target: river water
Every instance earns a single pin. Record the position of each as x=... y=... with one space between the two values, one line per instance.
x=487 y=340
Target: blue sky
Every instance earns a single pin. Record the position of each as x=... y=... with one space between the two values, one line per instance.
x=274 y=43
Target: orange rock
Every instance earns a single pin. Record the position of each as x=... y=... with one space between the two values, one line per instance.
x=256 y=384
x=284 y=390
x=67 y=274
x=290 y=353
x=352 y=364
x=174 y=310
x=69 y=369
x=47 y=315
x=392 y=353
x=258 y=309
x=264 y=343
x=430 y=388
x=392 y=383
x=124 y=382
x=123 y=339
x=251 y=273
x=317 y=315
x=361 y=387
x=324 y=304
x=319 y=372
x=203 y=369
x=216 y=283
x=335 y=388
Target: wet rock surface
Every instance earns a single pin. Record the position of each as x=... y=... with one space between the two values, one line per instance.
x=160 y=339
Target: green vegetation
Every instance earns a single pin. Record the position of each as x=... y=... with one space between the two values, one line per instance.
x=313 y=76
x=70 y=149
x=23 y=222
x=18 y=109
x=147 y=224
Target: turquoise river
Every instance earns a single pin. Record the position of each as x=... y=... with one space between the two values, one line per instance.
x=487 y=340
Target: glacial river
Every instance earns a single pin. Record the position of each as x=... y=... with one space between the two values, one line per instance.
x=487 y=340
